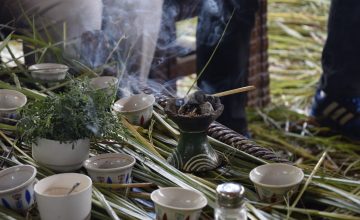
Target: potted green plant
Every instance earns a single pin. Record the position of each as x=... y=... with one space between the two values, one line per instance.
x=60 y=127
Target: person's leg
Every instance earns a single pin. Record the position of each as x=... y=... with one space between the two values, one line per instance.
x=165 y=53
x=151 y=16
x=341 y=53
x=168 y=47
x=228 y=69
x=337 y=101
x=56 y=21
x=133 y=26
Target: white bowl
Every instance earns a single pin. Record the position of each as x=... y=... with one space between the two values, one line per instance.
x=137 y=109
x=178 y=203
x=49 y=71
x=54 y=202
x=62 y=157
x=10 y=102
x=276 y=181
x=17 y=187
x=106 y=83
x=110 y=168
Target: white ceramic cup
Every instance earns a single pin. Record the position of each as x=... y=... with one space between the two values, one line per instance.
x=276 y=181
x=178 y=203
x=48 y=71
x=10 y=102
x=110 y=168
x=54 y=202
x=17 y=187
x=105 y=83
x=137 y=109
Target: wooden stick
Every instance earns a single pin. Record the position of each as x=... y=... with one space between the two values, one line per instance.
x=139 y=195
x=140 y=138
x=121 y=186
x=234 y=91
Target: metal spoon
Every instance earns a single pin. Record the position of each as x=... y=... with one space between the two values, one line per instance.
x=73 y=187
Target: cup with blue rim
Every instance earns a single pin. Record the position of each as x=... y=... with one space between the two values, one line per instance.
x=17 y=187
x=110 y=168
x=11 y=101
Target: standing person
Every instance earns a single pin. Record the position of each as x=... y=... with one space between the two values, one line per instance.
x=54 y=21
x=95 y=31
x=337 y=101
x=228 y=69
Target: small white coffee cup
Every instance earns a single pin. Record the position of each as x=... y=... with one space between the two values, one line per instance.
x=105 y=83
x=276 y=181
x=10 y=102
x=110 y=168
x=48 y=71
x=17 y=187
x=55 y=202
x=178 y=203
x=137 y=109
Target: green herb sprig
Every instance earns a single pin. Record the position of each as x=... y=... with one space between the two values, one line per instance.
x=78 y=113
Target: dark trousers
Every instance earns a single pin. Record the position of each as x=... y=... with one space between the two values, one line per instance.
x=228 y=69
x=341 y=55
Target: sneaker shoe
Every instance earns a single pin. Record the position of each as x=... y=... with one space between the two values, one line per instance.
x=340 y=114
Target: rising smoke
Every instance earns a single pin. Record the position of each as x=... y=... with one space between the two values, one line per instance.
x=133 y=37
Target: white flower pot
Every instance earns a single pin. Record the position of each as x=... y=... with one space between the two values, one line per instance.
x=61 y=157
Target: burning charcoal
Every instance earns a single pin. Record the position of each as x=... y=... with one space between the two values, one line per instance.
x=195 y=98
x=193 y=112
x=212 y=99
x=199 y=97
x=182 y=110
x=187 y=109
x=206 y=108
x=179 y=102
x=198 y=103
